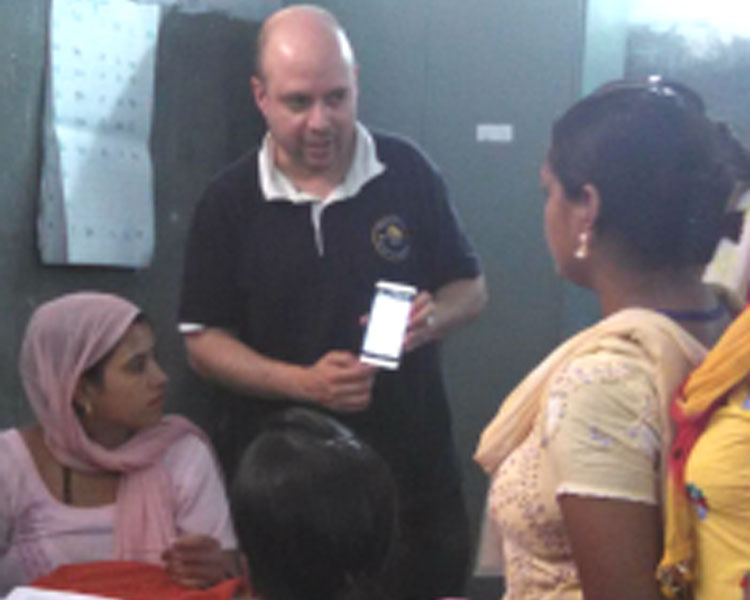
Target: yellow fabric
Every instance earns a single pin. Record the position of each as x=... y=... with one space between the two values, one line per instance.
x=631 y=355
x=719 y=467
x=597 y=437
x=531 y=533
x=725 y=366
x=665 y=342
x=602 y=427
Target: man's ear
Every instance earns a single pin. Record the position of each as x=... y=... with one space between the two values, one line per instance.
x=355 y=82
x=259 y=92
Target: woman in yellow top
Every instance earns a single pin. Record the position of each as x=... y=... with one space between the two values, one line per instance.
x=707 y=537
x=707 y=541
x=636 y=189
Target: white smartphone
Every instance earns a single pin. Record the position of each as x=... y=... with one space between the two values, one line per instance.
x=386 y=325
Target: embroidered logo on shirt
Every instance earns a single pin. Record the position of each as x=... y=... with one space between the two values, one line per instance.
x=390 y=238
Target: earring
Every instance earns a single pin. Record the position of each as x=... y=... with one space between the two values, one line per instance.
x=88 y=409
x=582 y=251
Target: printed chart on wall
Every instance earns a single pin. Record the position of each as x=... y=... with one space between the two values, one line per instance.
x=97 y=182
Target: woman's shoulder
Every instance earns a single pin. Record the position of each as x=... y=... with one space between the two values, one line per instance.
x=198 y=486
x=11 y=436
x=188 y=454
x=611 y=384
x=643 y=341
x=17 y=469
x=604 y=381
x=613 y=359
x=650 y=334
x=15 y=450
x=608 y=404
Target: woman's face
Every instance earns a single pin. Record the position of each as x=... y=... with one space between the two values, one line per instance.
x=130 y=395
x=562 y=238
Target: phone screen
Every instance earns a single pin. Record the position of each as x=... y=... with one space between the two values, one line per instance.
x=386 y=325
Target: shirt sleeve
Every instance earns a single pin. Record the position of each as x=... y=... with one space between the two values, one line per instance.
x=439 y=232
x=602 y=430
x=453 y=255
x=209 y=294
x=202 y=506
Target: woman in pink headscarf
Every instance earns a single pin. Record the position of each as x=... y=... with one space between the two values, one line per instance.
x=103 y=474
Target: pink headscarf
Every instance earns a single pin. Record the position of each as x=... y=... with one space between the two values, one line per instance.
x=63 y=339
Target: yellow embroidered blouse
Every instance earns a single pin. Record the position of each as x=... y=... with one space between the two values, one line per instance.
x=717 y=476
x=599 y=436
x=591 y=420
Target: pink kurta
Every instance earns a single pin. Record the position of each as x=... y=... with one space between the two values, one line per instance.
x=38 y=532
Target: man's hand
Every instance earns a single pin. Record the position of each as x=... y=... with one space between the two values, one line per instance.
x=197 y=561
x=422 y=326
x=434 y=315
x=339 y=381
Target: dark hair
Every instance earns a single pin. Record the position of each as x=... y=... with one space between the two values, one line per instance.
x=315 y=511
x=657 y=163
x=737 y=155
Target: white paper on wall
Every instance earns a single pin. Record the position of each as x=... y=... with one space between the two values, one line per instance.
x=97 y=182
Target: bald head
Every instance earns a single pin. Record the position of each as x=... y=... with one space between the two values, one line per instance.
x=295 y=31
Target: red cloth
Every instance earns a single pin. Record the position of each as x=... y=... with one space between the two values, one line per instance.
x=128 y=580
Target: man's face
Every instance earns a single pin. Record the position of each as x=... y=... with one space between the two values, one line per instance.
x=309 y=104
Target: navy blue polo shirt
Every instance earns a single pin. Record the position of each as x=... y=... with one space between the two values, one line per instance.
x=253 y=267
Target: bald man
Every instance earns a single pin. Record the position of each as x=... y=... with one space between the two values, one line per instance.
x=284 y=251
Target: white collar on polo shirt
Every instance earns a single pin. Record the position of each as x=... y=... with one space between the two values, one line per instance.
x=365 y=166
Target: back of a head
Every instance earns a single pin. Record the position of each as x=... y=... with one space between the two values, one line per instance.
x=315 y=511
x=737 y=156
x=658 y=165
